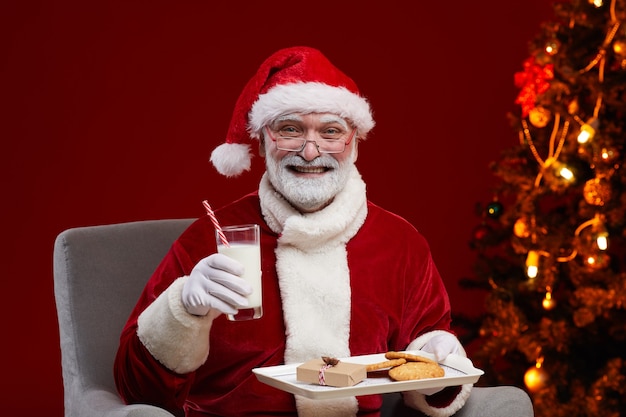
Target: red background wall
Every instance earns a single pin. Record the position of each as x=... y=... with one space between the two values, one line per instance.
x=111 y=108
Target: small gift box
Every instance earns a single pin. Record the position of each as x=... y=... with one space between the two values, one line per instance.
x=331 y=372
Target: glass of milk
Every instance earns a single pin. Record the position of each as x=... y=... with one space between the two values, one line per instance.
x=245 y=246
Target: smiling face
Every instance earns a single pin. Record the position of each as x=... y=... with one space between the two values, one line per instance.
x=309 y=179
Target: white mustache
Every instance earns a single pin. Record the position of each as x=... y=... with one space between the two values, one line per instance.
x=322 y=162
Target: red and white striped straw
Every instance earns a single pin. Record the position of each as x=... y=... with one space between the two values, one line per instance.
x=216 y=224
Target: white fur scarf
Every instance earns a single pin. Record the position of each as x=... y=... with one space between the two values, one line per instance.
x=314 y=279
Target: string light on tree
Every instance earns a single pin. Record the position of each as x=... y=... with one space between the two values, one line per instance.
x=532 y=264
x=552 y=47
x=597 y=261
x=588 y=130
x=563 y=171
x=609 y=155
x=602 y=239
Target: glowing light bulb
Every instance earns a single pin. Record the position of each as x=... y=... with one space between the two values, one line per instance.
x=552 y=47
x=605 y=154
x=608 y=155
x=588 y=130
x=566 y=173
x=532 y=264
x=602 y=241
x=600 y=233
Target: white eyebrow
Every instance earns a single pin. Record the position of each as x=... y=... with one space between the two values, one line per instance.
x=331 y=118
x=328 y=118
x=293 y=117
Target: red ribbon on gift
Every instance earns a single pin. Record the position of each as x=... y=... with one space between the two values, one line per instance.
x=329 y=363
x=321 y=379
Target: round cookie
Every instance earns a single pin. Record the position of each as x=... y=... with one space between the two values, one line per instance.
x=408 y=356
x=416 y=370
x=385 y=364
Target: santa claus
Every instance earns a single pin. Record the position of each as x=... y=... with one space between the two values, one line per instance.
x=341 y=276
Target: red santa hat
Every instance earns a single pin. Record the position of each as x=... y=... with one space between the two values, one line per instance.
x=297 y=79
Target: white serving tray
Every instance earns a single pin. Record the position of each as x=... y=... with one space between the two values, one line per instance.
x=458 y=371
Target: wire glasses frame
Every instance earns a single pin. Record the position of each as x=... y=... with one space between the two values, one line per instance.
x=297 y=144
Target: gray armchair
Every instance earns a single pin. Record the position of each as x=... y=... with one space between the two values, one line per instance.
x=99 y=272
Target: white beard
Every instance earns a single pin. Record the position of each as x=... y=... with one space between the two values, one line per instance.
x=309 y=193
x=313 y=274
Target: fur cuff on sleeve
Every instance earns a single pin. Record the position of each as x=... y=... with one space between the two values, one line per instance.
x=177 y=339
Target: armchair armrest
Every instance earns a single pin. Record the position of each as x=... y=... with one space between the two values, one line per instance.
x=99 y=402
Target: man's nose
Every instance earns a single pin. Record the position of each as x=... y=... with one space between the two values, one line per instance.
x=310 y=150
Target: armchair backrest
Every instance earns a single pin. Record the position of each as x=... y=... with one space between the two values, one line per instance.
x=99 y=272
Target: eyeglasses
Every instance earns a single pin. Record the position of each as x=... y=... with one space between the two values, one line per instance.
x=297 y=143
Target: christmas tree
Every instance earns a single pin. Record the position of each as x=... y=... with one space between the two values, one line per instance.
x=550 y=247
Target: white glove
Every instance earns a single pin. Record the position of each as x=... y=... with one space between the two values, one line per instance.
x=441 y=345
x=215 y=283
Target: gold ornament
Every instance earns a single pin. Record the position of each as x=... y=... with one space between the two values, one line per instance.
x=548 y=302
x=597 y=191
x=539 y=116
x=619 y=47
x=521 y=228
x=535 y=378
x=583 y=317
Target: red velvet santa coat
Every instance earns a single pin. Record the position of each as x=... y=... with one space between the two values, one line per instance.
x=395 y=296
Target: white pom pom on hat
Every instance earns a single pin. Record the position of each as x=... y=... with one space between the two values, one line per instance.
x=297 y=79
